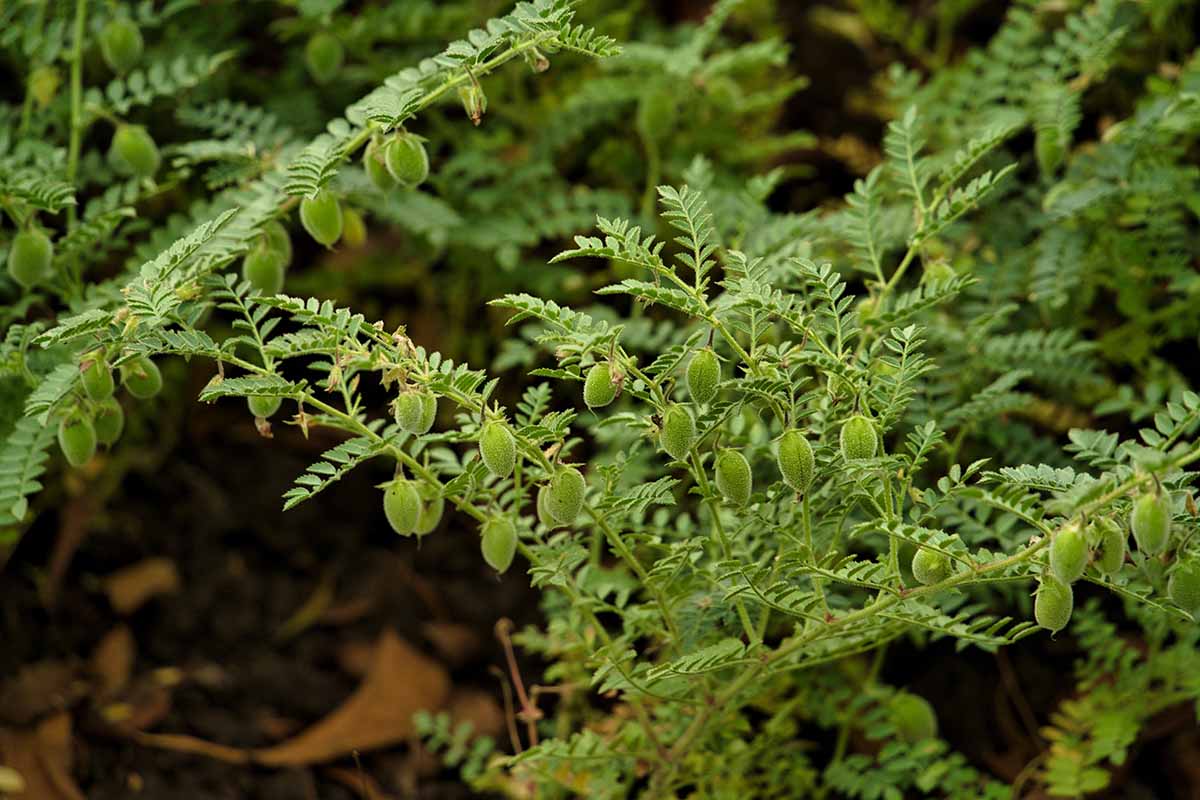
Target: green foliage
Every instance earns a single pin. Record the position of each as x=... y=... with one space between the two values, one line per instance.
x=894 y=418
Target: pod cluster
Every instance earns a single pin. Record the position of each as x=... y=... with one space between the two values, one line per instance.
x=1103 y=544
x=96 y=418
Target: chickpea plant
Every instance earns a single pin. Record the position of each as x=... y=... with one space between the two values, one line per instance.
x=741 y=476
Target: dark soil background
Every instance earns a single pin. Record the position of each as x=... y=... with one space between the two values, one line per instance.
x=245 y=567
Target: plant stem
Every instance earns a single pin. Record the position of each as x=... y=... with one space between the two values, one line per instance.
x=76 y=136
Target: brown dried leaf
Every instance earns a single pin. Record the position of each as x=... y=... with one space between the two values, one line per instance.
x=112 y=663
x=43 y=757
x=182 y=743
x=128 y=589
x=401 y=682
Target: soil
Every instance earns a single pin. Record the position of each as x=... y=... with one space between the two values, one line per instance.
x=245 y=568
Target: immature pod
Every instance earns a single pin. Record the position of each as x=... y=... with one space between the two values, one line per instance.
x=77 y=440
x=121 y=44
x=263 y=267
x=543 y=512
x=1183 y=587
x=375 y=165
x=938 y=272
x=1110 y=546
x=407 y=160
x=564 y=496
x=795 y=459
x=734 y=481
x=432 y=508
x=930 y=566
x=30 y=256
x=1053 y=604
x=97 y=378
x=678 y=432
x=323 y=55
x=402 y=506
x=599 y=389
x=858 y=438
x=416 y=411
x=1069 y=553
x=141 y=378
x=262 y=406
x=321 y=216
x=1150 y=521
x=133 y=152
x=109 y=422
x=279 y=240
x=913 y=716
x=499 y=543
x=354 y=231
x=703 y=375
x=498 y=448
x=43 y=84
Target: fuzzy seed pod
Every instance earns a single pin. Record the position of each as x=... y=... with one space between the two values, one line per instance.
x=938 y=272
x=1183 y=587
x=121 y=45
x=402 y=506
x=795 y=459
x=930 y=566
x=1053 y=604
x=263 y=268
x=141 y=378
x=543 y=512
x=678 y=432
x=1110 y=546
x=77 y=439
x=1150 y=521
x=97 y=378
x=498 y=448
x=703 y=375
x=407 y=160
x=564 y=498
x=323 y=55
x=280 y=241
x=599 y=389
x=1069 y=554
x=321 y=216
x=432 y=508
x=354 y=229
x=43 y=84
x=133 y=152
x=499 y=543
x=376 y=166
x=859 y=438
x=416 y=411
x=262 y=406
x=109 y=422
x=914 y=717
x=30 y=256
x=734 y=481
